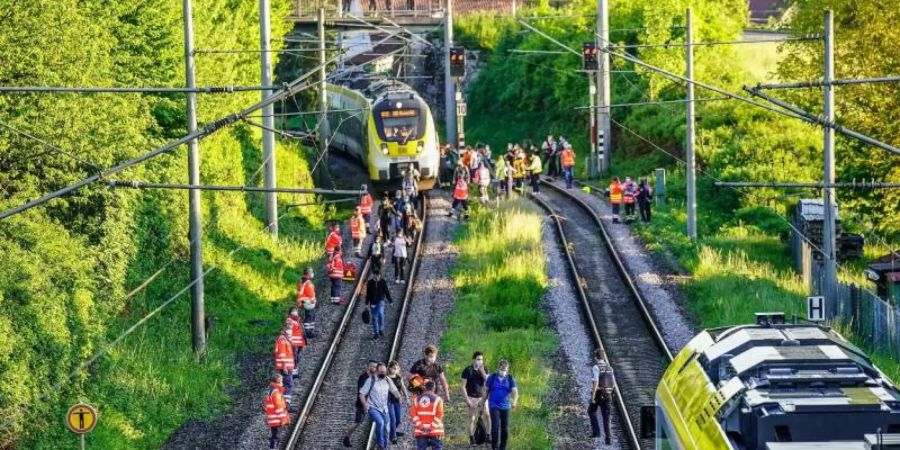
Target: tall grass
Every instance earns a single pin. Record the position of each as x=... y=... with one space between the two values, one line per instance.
x=500 y=278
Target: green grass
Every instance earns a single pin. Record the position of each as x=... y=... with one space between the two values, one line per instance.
x=501 y=277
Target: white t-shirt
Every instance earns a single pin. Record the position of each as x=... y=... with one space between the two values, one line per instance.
x=400 y=247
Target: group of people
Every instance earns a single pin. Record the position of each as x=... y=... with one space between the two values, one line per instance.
x=521 y=165
x=629 y=194
x=382 y=393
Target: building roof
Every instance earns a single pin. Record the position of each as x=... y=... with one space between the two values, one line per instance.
x=811 y=210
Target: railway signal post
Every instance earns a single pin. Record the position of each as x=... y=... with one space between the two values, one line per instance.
x=449 y=87
x=590 y=66
x=604 y=135
x=458 y=72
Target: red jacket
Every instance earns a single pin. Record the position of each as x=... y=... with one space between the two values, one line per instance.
x=333 y=242
x=335 y=268
x=306 y=292
x=284 y=354
x=461 y=191
x=427 y=413
x=297 y=336
x=365 y=205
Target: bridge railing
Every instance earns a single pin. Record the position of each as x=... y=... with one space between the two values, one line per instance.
x=307 y=9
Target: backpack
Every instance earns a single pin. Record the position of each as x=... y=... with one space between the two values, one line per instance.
x=481 y=433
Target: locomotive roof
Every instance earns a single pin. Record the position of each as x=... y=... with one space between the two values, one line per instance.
x=372 y=86
x=798 y=367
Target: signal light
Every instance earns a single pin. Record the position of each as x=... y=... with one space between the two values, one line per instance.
x=589 y=56
x=457 y=62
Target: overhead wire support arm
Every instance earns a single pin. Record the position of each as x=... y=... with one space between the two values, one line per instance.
x=710 y=43
x=205 y=187
x=133 y=90
x=811 y=118
x=821 y=83
x=840 y=185
x=287 y=90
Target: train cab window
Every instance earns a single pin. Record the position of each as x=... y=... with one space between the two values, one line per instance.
x=399 y=122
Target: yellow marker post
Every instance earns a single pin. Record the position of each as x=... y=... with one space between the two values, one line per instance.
x=81 y=419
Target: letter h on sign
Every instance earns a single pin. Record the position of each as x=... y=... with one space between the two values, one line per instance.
x=815 y=309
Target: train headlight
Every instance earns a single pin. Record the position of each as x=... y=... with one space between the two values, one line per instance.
x=420 y=147
x=384 y=148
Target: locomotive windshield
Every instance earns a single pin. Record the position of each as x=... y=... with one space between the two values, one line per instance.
x=399 y=121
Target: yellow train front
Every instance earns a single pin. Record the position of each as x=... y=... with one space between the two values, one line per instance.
x=775 y=386
x=385 y=125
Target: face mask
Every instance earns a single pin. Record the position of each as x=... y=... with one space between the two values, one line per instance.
x=479 y=363
x=381 y=376
x=503 y=373
x=432 y=359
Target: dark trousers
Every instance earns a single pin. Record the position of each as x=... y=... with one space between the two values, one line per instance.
x=535 y=182
x=399 y=265
x=423 y=443
x=553 y=169
x=603 y=406
x=645 y=210
x=274 y=437
x=460 y=205
x=499 y=428
x=287 y=377
x=629 y=211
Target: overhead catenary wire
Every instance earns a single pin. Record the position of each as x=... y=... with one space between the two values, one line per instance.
x=712 y=43
x=821 y=83
x=52 y=147
x=133 y=90
x=179 y=186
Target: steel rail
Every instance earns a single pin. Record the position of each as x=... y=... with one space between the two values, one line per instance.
x=407 y=296
x=620 y=266
x=634 y=441
x=297 y=430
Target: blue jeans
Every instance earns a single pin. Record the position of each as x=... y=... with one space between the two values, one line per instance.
x=395 y=411
x=423 y=442
x=499 y=428
x=381 y=423
x=568 y=174
x=336 y=286
x=378 y=317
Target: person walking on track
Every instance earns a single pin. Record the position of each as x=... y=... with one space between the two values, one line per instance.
x=277 y=414
x=335 y=268
x=644 y=199
x=395 y=405
x=306 y=300
x=400 y=254
x=534 y=171
x=374 y=397
x=427 y=414
x=360 y=413
x=376 y=293
x=615 y=197
x=365 y=207
x=376 y=253
x=567 y=157
x=428 y=367
x=298 y=339
x=357 y=230
x=503 y=395
x=460 y=198
x=334 y=241
x=474 y=377
x=601 y=394
x=284 y=360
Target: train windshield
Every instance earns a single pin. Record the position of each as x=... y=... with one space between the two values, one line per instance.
x=399 y=124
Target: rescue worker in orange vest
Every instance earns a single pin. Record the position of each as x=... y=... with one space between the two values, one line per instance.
x=629 y=196
x=335 y=268
x=358 y=230
x=306 y=300
x=334 y=240
x=427 y=413
x=365 y=207
x=277 y=414
x=615 y=197
x=284 y=360
x=298 y=339
x=460 y=198
x=568 y=164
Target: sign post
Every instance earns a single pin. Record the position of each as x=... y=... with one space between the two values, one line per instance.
x=815 y=308
x=81 y=419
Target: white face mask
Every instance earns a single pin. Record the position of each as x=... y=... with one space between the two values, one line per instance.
x=432 y=359
x=502 y=373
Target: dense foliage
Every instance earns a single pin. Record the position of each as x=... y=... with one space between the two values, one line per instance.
x=66 y=268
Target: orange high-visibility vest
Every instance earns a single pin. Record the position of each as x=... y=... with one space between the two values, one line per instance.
x=365 y=205
x=461 y=191
x=276 y=412
x=628 y=193
x=615 y=193
x=333 y=242
x=427 y=413
x=336 y=268
x=306 y=293
x=284 y=354
x=297 y=337
x=358 y=227
x=567 y=157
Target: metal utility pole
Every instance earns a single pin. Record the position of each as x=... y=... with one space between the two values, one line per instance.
x=323 y=94
x=593 y=159
x=195 y=233
x=449 y=85
x=690 y=176
x=604 y=130
x=829 y=282
x=268 y=111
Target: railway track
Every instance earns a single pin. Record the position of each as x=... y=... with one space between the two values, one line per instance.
x=329 y=405
x=614 y=310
